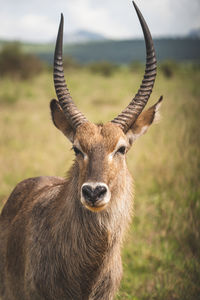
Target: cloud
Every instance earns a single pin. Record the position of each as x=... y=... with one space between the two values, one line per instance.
x=38 y=20
x=30 y=27
x=96 y=18
x=34 y=24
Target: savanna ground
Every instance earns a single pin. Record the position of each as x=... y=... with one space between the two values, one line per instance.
x=161 y=255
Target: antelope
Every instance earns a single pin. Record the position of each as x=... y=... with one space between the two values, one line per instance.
x=61 y=239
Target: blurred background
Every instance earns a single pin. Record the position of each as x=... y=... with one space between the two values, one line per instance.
x=104 y=58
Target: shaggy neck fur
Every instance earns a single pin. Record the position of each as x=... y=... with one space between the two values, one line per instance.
x=91 y=240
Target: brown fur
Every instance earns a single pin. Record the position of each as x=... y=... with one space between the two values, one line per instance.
x=51 y=246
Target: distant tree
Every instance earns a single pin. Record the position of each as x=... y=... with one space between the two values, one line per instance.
x=104 y=68
x=136 y=66
x=168 y=68
x=15 y=63
x=71 y=63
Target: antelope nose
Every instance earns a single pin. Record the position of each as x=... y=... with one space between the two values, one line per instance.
x=93 y=194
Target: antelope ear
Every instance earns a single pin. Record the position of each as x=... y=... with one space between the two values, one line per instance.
x=143 y=122
x=60 y=121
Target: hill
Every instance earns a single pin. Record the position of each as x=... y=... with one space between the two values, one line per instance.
x=83 y=36
x=121 y=52
x=134 y=50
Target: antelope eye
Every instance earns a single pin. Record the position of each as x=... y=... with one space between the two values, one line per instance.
x=122 y=150
x=77 y=151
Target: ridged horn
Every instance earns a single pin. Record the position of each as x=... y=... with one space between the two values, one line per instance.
x=135 y=107
x=70 y=110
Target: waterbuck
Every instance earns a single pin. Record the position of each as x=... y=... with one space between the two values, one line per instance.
x=60 y=239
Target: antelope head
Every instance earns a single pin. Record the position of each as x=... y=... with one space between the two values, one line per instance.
x=101 y=149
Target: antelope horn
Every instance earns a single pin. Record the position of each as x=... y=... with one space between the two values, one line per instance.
x=135 y=107
x=70 y=110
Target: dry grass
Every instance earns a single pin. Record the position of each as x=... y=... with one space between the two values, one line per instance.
x=162 y=252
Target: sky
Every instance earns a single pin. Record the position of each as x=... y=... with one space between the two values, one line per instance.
x=38 y=20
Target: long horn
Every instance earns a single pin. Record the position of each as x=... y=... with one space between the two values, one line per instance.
x=70 y=110
x=132 y=111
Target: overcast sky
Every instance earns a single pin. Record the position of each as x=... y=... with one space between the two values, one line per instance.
x=38 y=20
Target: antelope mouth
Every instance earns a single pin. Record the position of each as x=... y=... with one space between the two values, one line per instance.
x=95 y=208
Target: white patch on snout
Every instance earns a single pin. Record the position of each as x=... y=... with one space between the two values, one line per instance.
x=120 y=143
x=110 y=157
x=78 y=146
x=104 y=201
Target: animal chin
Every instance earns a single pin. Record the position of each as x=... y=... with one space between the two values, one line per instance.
x=94 y=208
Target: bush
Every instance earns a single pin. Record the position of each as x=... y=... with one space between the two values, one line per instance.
x=15 y=63
x=70 y=63
x=136 y=66
x=104 y=68
x=168 y=68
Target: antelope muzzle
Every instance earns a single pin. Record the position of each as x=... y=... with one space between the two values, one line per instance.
x=95 y=196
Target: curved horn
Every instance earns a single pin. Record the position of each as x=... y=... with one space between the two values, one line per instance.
x=70 y=110
x=132 y=111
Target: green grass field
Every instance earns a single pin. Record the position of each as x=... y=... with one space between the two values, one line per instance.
x=161 y=255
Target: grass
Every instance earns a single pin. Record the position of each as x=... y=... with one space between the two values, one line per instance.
x=161 y=256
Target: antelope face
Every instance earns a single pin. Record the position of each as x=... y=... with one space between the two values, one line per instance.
x=100 y=150
x=100 y=153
